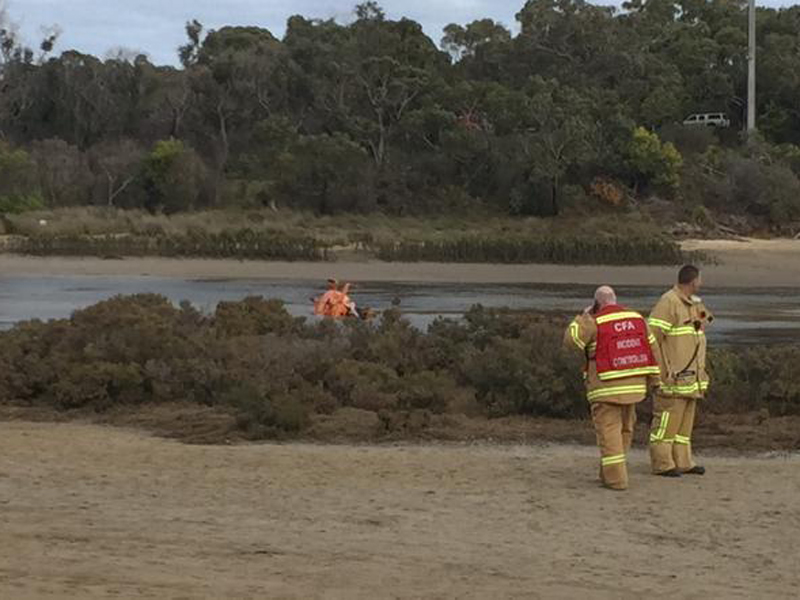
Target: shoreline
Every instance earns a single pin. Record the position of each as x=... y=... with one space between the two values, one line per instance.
x=750 y=263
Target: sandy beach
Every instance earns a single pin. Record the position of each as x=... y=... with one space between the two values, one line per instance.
x=97 y=512
x=752 y=263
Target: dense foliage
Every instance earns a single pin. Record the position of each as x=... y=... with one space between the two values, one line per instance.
x=374 y=115
x=278 y=373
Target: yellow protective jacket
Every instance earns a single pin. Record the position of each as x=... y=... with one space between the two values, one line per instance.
x=581 y=335
x=679 y=324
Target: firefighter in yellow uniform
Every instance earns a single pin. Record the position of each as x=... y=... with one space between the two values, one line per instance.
x=678 y=321
x=621 y=364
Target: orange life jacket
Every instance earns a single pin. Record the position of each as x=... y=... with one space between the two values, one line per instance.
x=323 y=303
x=338 y=307
x=332 y=303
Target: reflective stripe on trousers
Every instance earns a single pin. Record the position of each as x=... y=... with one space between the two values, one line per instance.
x=659 y=435
x=612 y=460
x=671 y=433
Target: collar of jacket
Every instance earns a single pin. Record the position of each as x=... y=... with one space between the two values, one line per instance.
x=683 y=297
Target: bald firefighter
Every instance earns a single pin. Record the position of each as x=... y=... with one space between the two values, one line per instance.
x=621 y=365
x=679 y=321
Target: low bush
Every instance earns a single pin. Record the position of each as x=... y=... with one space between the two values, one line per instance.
x=274 y=372
x=260 y=416
x=756 y=379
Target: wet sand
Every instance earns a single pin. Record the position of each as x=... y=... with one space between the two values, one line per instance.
x=752 y=263
x=91 y=512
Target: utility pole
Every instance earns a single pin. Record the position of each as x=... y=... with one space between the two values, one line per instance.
x=751 y=68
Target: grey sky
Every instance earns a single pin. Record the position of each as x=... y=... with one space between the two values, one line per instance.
x=156 y=26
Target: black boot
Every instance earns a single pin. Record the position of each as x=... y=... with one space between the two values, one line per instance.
x=670 y=473
x=696 y=470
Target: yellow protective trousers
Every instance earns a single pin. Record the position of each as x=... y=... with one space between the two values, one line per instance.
x=671 y=433
x=613 y=424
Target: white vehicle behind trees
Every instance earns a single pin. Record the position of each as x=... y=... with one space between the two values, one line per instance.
x=708 y=119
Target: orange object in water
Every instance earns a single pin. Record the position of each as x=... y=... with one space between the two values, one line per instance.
x=338 y=308
x=323 y=305
x=335 y=303
x=349 y=306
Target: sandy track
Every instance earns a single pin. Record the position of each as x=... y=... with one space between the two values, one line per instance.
x=751 y=263
x=92 y=512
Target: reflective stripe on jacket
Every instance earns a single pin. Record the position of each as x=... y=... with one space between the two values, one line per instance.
x=678 y=323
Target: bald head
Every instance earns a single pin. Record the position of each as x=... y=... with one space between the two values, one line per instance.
x=605 y=296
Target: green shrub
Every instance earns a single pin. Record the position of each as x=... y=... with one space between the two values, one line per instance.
x=17 y=203
x=259 y=416
x=752 y=379
x=19 y=188
x=652 y=161
x=530 y=375
x=253 y=316
x=747 y=183
x=273 y=372
x=99 y=385
x=364 y=385
x=427 y=391
x=173 y=177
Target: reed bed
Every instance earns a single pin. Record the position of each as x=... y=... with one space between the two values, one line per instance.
x=553 y=250
x=240 y=244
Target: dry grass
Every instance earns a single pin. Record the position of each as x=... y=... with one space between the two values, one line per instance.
x=101 y=220
x=632 y=238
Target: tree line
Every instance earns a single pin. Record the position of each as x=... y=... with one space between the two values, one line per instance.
x=585 y=102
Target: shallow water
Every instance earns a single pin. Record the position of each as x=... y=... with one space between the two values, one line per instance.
x=743 y=315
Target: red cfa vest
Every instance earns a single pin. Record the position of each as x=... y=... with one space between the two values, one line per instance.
x=623 y=349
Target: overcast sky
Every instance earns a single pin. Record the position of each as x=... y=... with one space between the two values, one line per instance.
x=156 y=26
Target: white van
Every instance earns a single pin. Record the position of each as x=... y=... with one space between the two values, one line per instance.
x=709 y=119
